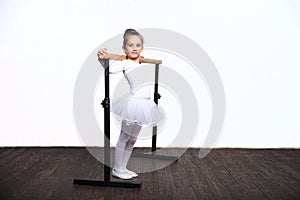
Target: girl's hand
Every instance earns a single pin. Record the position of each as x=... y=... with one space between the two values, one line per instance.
x=102 y=52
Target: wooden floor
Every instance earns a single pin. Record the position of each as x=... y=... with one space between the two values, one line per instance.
x=48 y=173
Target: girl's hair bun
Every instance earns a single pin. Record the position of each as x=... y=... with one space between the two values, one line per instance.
x=131 y=31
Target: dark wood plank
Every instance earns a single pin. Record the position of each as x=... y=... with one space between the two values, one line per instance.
x=283 y=172
x=5 y=151
x=21 y=169
x=48 y=173
x=243 y=187
x=212 y=171
x=198 y=180
x=264 y=177
x=76 y=164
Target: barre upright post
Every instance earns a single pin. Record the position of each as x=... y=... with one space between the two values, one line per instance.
x=156 y=97
x=106 y=183
x=106 y=105
x=153 y=153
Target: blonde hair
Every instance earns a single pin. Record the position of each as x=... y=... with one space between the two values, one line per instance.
x=129 y=32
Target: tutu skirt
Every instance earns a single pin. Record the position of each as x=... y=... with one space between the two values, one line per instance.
x=139 y=110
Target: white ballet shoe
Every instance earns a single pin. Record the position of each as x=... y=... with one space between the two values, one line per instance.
x=131 y=173
x=121 y=174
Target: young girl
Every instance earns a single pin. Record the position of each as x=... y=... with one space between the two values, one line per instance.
x=136 y=109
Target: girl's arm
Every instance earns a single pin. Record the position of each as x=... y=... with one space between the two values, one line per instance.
x=115 y=66
x=102 y=52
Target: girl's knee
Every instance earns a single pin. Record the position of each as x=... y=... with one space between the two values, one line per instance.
x=123 y=140
x=132 y=140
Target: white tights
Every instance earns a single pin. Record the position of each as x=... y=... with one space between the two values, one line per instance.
x=124 y=147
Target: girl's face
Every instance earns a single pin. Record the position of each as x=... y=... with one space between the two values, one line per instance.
x=133 y=47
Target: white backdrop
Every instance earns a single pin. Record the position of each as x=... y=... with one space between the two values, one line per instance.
x=254 y=45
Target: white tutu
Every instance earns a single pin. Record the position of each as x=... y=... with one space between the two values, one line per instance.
x=133 y=109
x=137 y=106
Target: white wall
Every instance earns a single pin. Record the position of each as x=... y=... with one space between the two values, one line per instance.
x=254 y=45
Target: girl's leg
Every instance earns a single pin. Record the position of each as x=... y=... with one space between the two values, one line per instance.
x=129 y=146
x=121 y=145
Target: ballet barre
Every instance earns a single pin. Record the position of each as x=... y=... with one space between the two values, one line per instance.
x=123 y=57
x=106 y=105
x=157 y=96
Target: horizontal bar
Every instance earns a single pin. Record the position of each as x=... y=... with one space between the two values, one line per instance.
x=154 y=156
x=123 y=57
x=107 y=183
